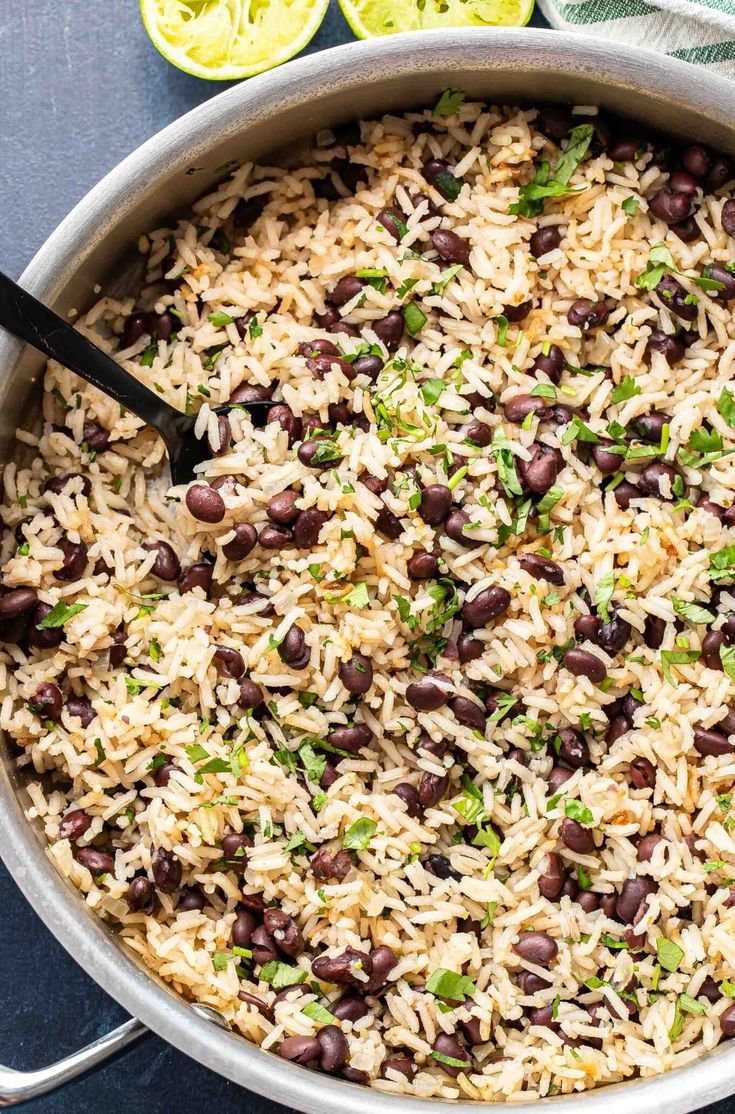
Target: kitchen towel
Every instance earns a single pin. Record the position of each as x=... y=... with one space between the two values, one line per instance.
x=700 y=31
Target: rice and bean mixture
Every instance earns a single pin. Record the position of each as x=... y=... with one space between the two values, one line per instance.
x=405 y=735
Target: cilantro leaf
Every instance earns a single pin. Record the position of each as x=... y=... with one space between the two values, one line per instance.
x=694 y=612
x=669 y=954
x=281 y=975
x=726 y=407
x=627 y=388
x=603 y=595
x=432 y=390
x=449 y=102
x=450 y=986
x=60 y=614
x=358 y=835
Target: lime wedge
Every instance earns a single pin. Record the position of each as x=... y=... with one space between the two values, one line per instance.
x=385 y=17
x=225 y=39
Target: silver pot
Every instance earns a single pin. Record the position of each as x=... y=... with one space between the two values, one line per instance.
x=270 y=115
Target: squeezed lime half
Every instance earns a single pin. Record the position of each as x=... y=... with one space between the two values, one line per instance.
x=368 y=18
x=224 y=40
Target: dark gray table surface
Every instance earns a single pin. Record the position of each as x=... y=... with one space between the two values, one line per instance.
x=80 y=87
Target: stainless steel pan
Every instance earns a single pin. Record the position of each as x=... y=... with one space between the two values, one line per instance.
x=275 y=112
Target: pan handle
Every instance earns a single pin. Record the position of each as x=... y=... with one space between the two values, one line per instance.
x=20 y=1086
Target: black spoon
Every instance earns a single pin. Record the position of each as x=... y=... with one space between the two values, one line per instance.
x=31 y=321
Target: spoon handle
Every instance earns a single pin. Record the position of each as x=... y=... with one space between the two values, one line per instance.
x=31 y=321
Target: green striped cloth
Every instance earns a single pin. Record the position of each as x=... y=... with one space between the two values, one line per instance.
x=701 y=31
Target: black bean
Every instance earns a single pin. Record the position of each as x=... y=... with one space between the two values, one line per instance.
x=582 y=663
x=341 y=968
x=119 y=648
x=234 y=848
x=450 y=1046
x=308 y=527
x=647 y=846
x=710 y=742
x=653 y=477
x=711 y=644
x=436 y=502
x=489 y=604
x=166 y=565
x=576 y=837
x=545 y=240
x=352 y=739
x=468 y=713
x=649 y=427
x=432 y=788
x=392 y=221
x=74 y=825
x=607 y=462
x=440 y=867
x=680 y=181
x=551 y=876
x=275 y=537
x=334 y=1048
x=81 y=708
x=687 y=230
x=554 y=122
x=410 y=797
x=670 y=206
x=539 y=473
x=552 y=363
x=293 y=650
x=198 y=575
x=345 y=290
x=518 y=313
x=672 y=295
x=320 y=366
x=518 y=408
x=654 y=631
x=423 y=198
x=96 y=861
x=285 y=932
x=609 y=904
x=46 y=702
x=531 y=983
x=368 y=365
x=573 y=748
x=624 y=150
x=642 y=773
x=469 y=648
x=434 y=172
x=228 y=662
x=300 y=1050
x=632 y=897
x=617 y=727
x=287 y=420
x=313 y=454
x=356 y=674
x=426 y=695
x=624 y=492
x=710 y=990
x=586 y=314
x=454 y=527
x=451 y=247
x=437 y=748
x=95 y=437
x=349 y=1008
x=727 y=725
x=238 y=548
x=389 y=329
x=614 y=635
x=711 y=507
x=190 y=899
x=282 y=508
x=162 y=776
x=479 y=433
x=250 y=696
x=721 y=275
x=388 y=524
x=166 y=870
x=17 y=601
x=205 y=504
x=697 y=160
x=422 y=565
x=140 y=895
x=400 y=1064
x=541 y=568
x=728 y=217
x=262 y=946
x=536 y=947
x=671 y=347
x=325 y=866
x=382 y=961
x=134 y=327
x=727 y=1021
x=250 y=392
x=56 y=484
